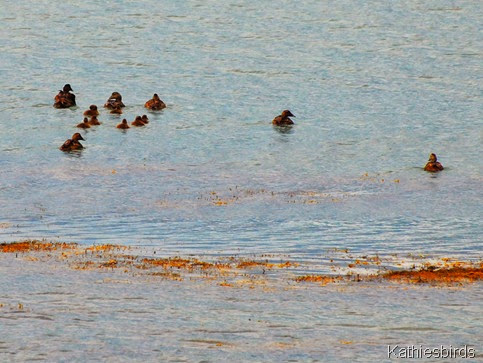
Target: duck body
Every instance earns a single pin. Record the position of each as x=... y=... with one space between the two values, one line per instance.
x=433 y=165
x=283 y=119
x=138 y=122
x=116 y=111
x=92 y=111
x=73 y=143
x=115 y=101
x=65 y=99
x=123 y=125
x=94 y=121
x=155 y=103
x=84 y=124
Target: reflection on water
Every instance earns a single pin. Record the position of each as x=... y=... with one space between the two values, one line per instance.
x=284 y=130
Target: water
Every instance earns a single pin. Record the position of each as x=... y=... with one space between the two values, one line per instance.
x=375 y=87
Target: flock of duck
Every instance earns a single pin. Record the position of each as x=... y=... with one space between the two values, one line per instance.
x=66 y=99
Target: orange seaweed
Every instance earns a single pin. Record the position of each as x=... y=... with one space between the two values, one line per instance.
x=323 y=279
x=26 y=246
x=435 y=276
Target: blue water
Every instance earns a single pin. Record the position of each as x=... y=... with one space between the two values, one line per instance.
x=375 y=87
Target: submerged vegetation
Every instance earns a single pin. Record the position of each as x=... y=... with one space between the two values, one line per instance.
x=233 y=271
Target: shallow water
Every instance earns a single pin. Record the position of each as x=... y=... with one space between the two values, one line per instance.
x=375 y=87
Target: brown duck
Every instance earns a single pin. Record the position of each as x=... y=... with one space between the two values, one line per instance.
x=155 y=103
x=138 y=122
x=283 y=119
x=433 y=165
x=84 y=124
x=94 y=121
x=123 y=124
x=115 y=101
x=92 y=111
x=73 y=143
x=65 y=99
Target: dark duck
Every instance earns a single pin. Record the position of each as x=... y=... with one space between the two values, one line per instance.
x=155 y=103
x=92 y=111
x=65 y=99
x=138 y=122
x=283 y=119
x=84 y=124
x=123 y=124
x=116 y=111
x=73 y=143
x=433 y=165
x=115 y=101
x=94 y=121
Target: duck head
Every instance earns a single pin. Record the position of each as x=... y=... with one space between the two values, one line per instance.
x=67 y=88
x=116 y=96
x=287 y=113
x=432 y=158
x=77 y=136
x=93 y=107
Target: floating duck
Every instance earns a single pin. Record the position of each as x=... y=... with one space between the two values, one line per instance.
x=155 y=103
x=84 y=124
x=283 y=119
x=92 y=111
x=94 y=121
x=73 y=143
x=145 y=119
x=115 y=101
x=138 y=122
x=433 y=165
x=116 y=111
x=123 y=124
x=65 y=99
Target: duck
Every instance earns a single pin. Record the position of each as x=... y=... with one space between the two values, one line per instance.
x=138 y=122
x=65 y=99
x=155 y=103
x=145 y=119
x=116 y=111
x=92 y=111
x=84 y=124
x=123 y=124
x=433 y=165
x=115 y=101
x=283 y=119
x=94 y=121
x=72 y=143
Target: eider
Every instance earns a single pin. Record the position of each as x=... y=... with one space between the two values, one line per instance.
x=84 y=124
x=155 y=103
x=115 y=101
x=433 y=165
x=92 y=111
x=73 y=143
x=123 y=124
x=65 y=99
x=138 y=122
x=283 y=119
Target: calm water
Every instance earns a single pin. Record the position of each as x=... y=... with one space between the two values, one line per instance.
x=375 y=86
